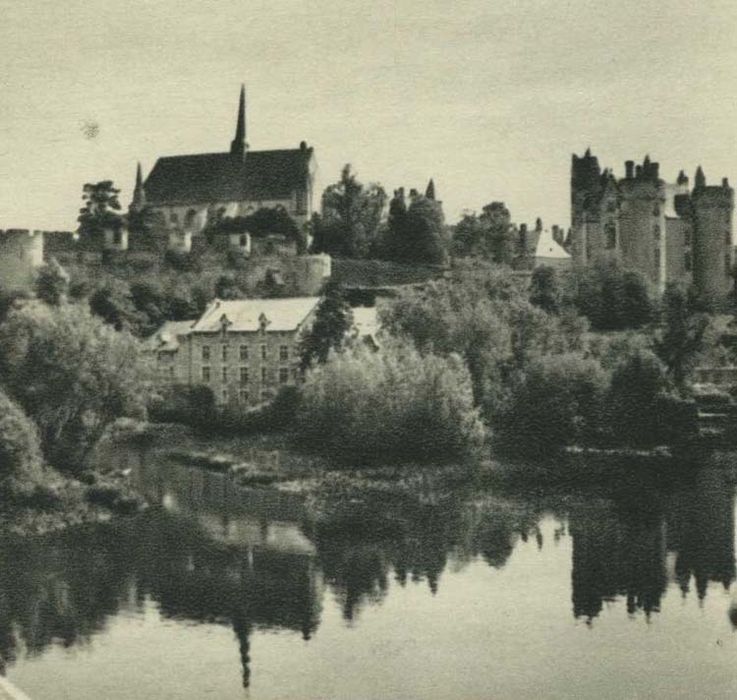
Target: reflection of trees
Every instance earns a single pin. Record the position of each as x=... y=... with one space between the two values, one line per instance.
x=63 y=588
x=620 y=544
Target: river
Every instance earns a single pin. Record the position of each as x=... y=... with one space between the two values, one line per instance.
x=222 y=592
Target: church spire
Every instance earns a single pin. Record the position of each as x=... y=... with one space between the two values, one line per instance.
x=139 y=194
x=430 y=191
x=238 y=145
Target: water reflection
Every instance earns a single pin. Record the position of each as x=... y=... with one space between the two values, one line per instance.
x=255 y=559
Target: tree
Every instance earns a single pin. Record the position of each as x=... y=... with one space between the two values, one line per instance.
x=351 y=214
x=333 y=320
x=544 y=291
x=21 y=463
x=489 y=236
x=52 y=283
x=72 y=375
x=682 y=335
x=114 y=305
x=416 y=233
x=100 y=211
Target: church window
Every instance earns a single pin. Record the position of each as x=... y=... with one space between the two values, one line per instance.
x=301 y=202
x=610 y=231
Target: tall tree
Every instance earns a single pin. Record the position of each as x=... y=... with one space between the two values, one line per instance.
x=416 y=233
x=333 y=320
x=100 y=211
x=489 y=236
x=544 y=291
x=351 y=214
x=52 y=283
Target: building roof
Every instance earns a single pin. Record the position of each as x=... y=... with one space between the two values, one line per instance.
x=547 y=247
x=247 y=315
x=221 y=177
x=166 y=339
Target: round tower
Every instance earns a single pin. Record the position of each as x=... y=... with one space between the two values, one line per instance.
x=712 y=238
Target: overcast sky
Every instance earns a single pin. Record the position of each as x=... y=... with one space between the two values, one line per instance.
x=489 y=98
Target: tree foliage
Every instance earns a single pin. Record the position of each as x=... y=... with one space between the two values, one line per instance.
x=21 y=462
x=100 y=211
x=396 y=404
x=611 y=297
x=72 y=374
x=415 y=233
x=544 y=289
x=488 y=236
x=333 y=320
x=52 y=283
x=351 y=214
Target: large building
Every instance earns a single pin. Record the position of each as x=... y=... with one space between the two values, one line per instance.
x=188 y=190
x=245 y=350
x=669 y=232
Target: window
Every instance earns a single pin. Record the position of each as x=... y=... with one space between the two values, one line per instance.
x=610 y=231
x=189 y=219
x=205 y=374
x=656 y=210
x=171 y=372
x=687 y=261
x=243 y=241
x=225 y=396
x=225 y=375
x=117 y=236
x=656 y=232
x=243 y=396
x=283 y=375
x=265 y=395
x=244 y=375
x=174 y=217
x=657 y=258
x=205 y=353
x=283 y=353
x=225 y=353
x=244 y=353
x=301 y=202
x=264 y=352
x=264 y=375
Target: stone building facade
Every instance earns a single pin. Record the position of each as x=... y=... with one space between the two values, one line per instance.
x=670 y=232
x=244 y=350
x=185 y=192
x=21 y=254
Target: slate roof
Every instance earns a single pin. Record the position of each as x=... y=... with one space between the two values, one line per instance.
x=166 y=339
x=243 y=314
x=217 y=177
x=547 y=247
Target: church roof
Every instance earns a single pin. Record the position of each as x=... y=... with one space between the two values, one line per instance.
x=222 y=177
x=245 y=314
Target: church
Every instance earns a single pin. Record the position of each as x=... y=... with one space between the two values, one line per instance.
x=188 y=191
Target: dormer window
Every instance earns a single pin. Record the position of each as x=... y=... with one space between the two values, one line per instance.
x=263 y=322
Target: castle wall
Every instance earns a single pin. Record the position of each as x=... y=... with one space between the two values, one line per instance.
x=21 y=254
x=679 y=257
x=712 y=241
x=642 y=228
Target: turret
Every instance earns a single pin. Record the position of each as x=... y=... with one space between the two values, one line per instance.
x=699 y=179
x=238 y=145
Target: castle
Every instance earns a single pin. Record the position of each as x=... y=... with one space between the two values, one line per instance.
x=667 y=231
x=187 y=191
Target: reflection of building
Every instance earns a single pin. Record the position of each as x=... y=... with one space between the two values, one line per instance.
x=667 y=231
x=187 y=191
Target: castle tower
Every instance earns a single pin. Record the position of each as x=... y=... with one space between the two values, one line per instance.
x=430 y=191
x=642 y=222
x=585 y=196
x=139 y=195
x=712 y=208
x=238 y=145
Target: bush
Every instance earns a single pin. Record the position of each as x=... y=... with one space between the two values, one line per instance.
x=557 y=402
x=72 y=374
x=20 y=452
x=394 y=404
x=182 y=261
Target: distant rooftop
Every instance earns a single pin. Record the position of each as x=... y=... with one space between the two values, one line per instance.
x=247 y=315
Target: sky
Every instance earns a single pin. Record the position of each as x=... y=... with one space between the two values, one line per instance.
x=488 y=98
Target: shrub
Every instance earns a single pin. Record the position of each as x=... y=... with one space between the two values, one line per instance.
x=558 y=401
x=20 y=452
x=394 y=404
